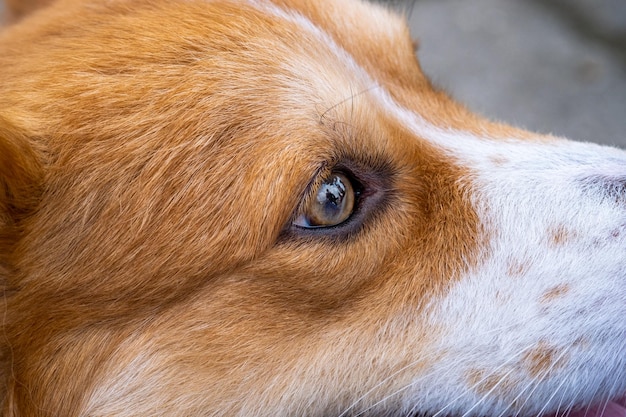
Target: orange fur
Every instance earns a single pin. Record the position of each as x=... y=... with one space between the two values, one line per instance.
x=20 y=8
x=147 y=178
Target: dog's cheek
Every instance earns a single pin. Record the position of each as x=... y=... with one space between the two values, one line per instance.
x=249 y=336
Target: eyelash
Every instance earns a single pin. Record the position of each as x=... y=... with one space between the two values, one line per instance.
x=372 y=181
x=343 y=229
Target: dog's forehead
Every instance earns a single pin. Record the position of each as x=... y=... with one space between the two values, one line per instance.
x=324 y=53
x=204 y=64
x=359 y=52
x=371 y=36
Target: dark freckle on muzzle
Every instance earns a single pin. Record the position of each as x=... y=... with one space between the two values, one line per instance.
x=561 y=235
x=618 y=232
x=518 y=267
x=554 y=293
x=609 y=187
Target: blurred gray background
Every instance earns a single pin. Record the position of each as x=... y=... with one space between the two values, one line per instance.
x=553 y=66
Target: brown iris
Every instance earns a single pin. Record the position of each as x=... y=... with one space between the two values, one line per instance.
x=331 y=205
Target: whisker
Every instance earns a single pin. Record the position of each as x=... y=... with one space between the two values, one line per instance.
x=407 y=386
x=484 y=397
x=453 y=365
x=384 y=381
x=439 y=370
x=350 y=98
x=570 y=406
x=558 y=388
x=608 y=397
x=395 y=373
x=484 y=379
x=567 y=409
x=589 y=406
x=538 y=378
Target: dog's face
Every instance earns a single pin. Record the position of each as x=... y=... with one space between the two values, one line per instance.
x=256 y=208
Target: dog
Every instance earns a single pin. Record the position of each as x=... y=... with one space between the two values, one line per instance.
x=264 y=208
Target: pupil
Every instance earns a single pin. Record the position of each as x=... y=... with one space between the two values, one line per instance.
x=332 y=193
x=331 y=197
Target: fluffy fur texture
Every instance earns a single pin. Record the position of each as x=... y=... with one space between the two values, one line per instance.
x=153 y=156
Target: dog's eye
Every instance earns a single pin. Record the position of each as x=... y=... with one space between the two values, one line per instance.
x=332 y=203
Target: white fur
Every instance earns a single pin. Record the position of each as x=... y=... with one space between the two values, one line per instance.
x=493 y=321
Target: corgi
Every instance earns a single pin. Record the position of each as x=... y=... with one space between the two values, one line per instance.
x=264 y=208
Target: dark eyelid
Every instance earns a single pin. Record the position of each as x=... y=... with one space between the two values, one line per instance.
x=372 y=182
